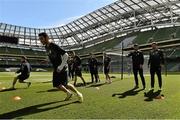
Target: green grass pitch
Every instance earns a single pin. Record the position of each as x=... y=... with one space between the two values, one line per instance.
x=42 y=101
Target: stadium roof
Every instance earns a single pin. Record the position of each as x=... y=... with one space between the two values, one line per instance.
x=102 y=24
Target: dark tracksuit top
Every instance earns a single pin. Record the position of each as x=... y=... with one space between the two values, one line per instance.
x=76 y=61
x=156 y=58
x=93 y=67
x=137 y=59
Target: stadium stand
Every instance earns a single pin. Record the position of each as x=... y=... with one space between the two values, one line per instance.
x=102 y=30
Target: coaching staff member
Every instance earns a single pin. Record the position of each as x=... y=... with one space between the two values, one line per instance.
x=156 y=62
x=138 y=61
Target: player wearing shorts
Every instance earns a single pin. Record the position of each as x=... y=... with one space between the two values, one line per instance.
x=77 y=68
x=58 y=58
x=25 y=70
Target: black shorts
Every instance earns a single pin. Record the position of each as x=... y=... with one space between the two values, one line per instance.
x=106 y=70
x=60 y=78
x=78 y=72
x=22 y=77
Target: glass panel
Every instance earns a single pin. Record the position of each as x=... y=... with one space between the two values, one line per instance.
x=3 y=26
x=128 y=2
x=151 y=2
x=21 y=41
x=135 y=7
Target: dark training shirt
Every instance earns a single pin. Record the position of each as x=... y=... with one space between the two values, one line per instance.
x=55 y=52
x=25 y=68
x=93 y=64
x=76 y=61
x=107 y=61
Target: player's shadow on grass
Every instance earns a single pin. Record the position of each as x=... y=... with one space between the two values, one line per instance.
x=81 y=84
x=96 y=85
x=131 y=92
x=46 y=82
x=33 y=110
x=11 y=89
x=5 y=90
x=50 y=90
x=150 y=95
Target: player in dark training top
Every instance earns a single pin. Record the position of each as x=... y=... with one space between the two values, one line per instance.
x=107 y=62
x=25 y=70
x=93 y=67
x=58 y=58
x=70 y=67
x=77 y=68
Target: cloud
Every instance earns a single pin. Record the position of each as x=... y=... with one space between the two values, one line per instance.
x=111 y=1
x=66 y=21
x=60 y=22
x=70 y=19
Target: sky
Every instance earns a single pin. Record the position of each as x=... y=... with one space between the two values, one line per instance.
x=46 y=13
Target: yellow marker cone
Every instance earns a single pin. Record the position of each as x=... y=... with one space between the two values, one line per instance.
x=16 y=98
x=97 y=88
x=3 y=88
